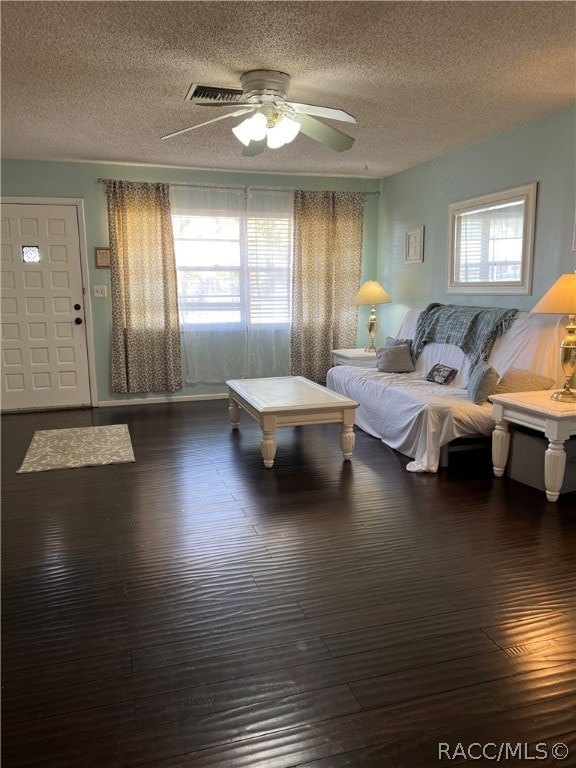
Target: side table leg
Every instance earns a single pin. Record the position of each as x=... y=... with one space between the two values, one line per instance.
x=500 y=447
x=554 y=466
x=347 y=441
x=234 y=413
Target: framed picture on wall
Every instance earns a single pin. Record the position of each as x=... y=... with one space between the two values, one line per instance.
x=414 y=245
x=102 y=258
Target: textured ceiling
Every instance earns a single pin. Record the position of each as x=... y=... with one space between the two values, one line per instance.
x=102 y=81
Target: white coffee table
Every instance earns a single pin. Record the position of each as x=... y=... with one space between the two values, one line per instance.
x=289 y=401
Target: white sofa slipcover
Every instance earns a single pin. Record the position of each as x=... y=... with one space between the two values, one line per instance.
x=417 y=417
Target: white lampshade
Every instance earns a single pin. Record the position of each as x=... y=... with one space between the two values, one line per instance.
x=560 y=299
x=275 y=128
x=283 y=132
x=371 y=292
x=251 y=129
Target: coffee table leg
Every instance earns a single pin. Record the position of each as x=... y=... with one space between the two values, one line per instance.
x=268 y=444
x=268 y=448
x=234 y=413
x=347 y=441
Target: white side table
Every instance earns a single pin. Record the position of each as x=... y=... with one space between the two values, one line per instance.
x=538 y=411
x=358 y=357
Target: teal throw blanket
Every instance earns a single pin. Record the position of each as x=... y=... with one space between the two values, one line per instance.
x=473 y=329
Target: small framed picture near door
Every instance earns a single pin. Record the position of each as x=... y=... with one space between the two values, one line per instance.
x=414 y=245
x=102 y=258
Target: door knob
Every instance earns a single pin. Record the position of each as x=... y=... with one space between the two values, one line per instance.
x=77 y=307
x=78 y=321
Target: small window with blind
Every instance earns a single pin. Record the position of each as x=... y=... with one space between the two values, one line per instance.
x=233 y=259
x=491 y=241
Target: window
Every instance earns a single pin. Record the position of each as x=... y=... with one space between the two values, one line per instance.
x=491 y=243
x=233 y=257
x=30 y=254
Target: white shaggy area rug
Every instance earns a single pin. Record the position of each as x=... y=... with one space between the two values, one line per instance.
x=79 y=447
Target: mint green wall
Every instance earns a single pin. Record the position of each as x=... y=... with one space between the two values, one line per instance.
x=543 y=151
x=22 y=178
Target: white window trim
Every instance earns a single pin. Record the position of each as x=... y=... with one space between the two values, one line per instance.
x=245 y=322
x=526 y=194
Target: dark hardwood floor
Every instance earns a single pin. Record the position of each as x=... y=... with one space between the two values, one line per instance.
x=194 y=609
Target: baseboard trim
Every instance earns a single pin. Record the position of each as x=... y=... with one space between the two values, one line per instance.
x=156 y=400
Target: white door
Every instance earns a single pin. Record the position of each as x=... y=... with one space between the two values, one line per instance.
x=44 y=353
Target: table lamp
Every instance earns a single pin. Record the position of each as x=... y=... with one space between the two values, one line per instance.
x=372 y=293
x=560 y=299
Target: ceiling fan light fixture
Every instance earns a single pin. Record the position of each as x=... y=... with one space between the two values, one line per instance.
x=274 y=120
x=282 y=132
x=251 y=129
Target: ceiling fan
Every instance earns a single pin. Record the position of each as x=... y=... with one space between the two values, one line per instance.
x=272 y=120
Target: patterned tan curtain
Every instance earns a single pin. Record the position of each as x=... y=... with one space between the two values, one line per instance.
x=145 y=328
x=326 y=275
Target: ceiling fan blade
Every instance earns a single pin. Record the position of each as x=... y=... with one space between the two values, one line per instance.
x=328 y=112
x=325 y=134
x=237 y=113
x=254 y=148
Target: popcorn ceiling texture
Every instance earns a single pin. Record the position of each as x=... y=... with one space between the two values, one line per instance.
x=102 y=81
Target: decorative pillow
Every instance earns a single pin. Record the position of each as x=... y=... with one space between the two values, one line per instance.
x=394 y=359
x=392 y=342
x=521 y=380
x=482 y=383
x=441 y=374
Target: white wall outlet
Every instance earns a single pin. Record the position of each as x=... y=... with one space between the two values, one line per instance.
x=100 y=291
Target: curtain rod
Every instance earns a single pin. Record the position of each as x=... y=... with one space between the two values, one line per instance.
x=268 y=189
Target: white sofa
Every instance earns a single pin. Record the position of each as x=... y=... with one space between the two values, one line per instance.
x=419 y=418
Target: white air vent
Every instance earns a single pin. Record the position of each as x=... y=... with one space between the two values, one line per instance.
x=210 y=93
